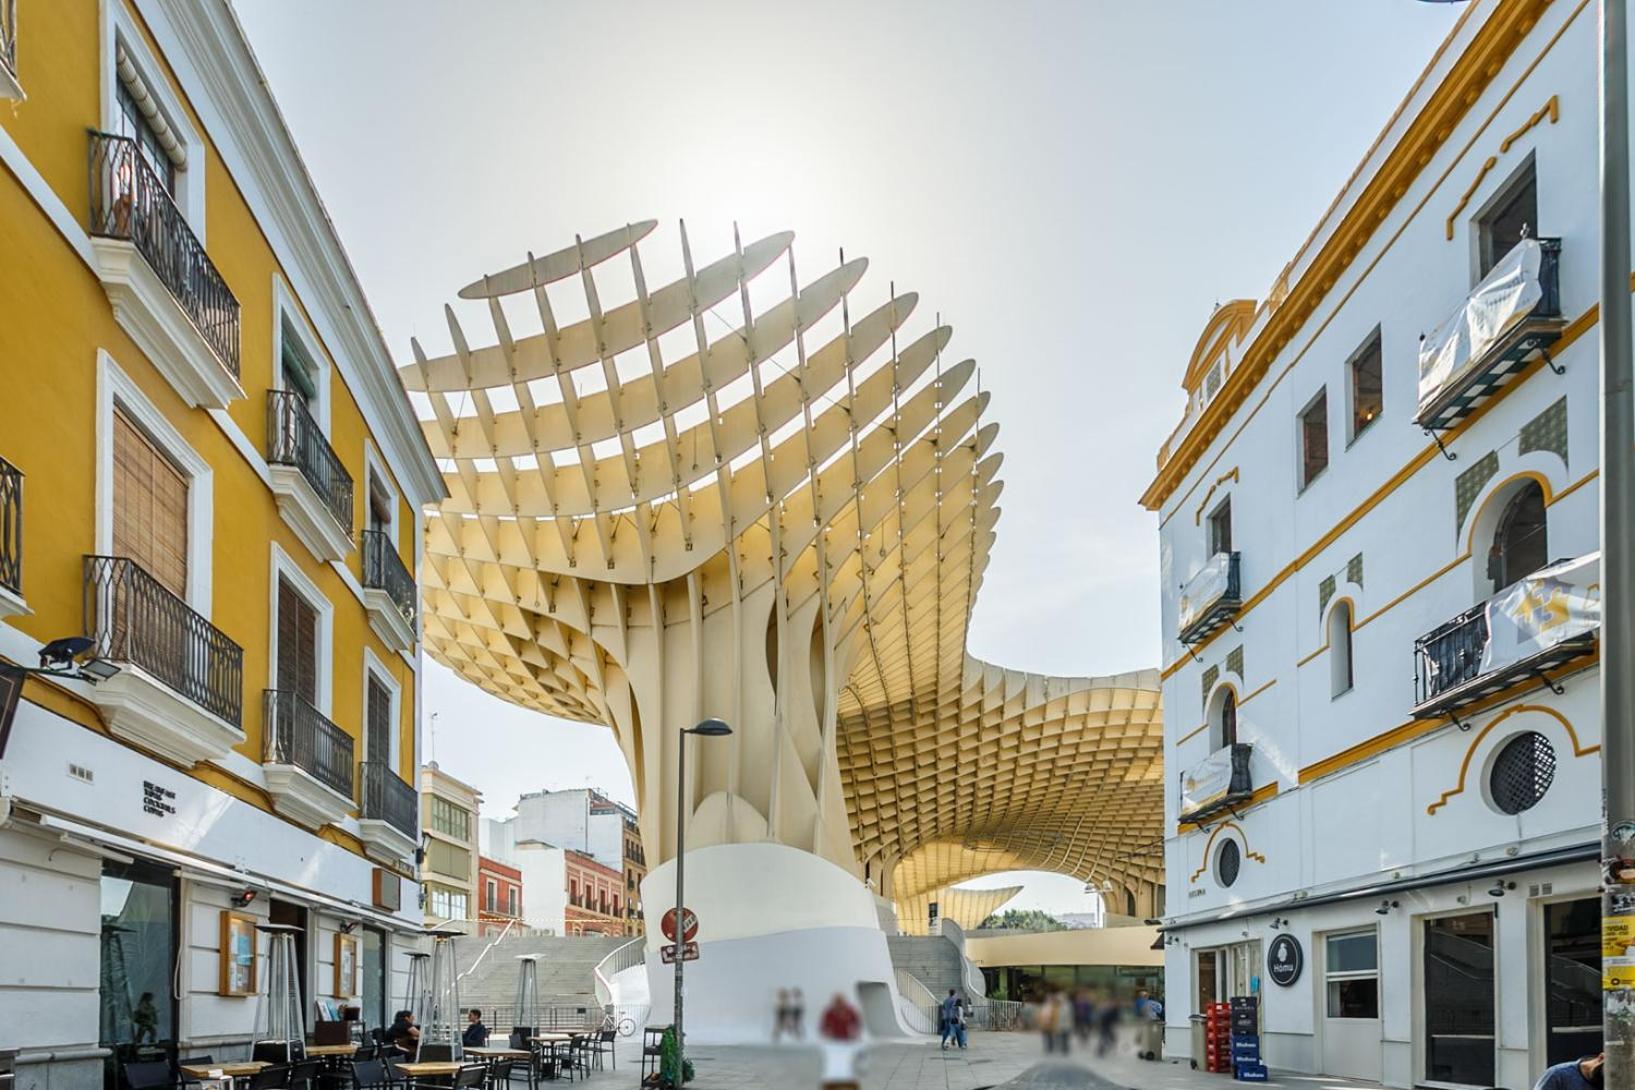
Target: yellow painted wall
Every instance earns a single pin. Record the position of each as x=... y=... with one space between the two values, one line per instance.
x=54 y=316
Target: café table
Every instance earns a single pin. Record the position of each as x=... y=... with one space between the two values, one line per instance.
x=315 y=1051
x=426 y=1069
x=487 y=1054
x=228 y=1070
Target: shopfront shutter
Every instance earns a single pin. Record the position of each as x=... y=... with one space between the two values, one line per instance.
x=150 y=507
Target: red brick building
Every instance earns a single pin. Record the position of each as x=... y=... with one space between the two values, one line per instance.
x=596 y=897
x=499 y=895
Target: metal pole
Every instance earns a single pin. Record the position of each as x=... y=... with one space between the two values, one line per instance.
x=681 y=926
x=1617 y=555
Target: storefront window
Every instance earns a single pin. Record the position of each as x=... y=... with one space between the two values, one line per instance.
x=374 y=977
x=1572 y=930
x=1459 y=1004
x=138 y=961
x=1351 y=963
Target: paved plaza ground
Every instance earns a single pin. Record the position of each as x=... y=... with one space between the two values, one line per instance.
x=1012 y=1061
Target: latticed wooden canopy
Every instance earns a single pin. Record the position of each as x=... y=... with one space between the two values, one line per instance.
x=659 y=512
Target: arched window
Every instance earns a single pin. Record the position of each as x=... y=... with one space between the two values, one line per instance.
x=1521 y=541
x=1224 y=723
x=1339 y=649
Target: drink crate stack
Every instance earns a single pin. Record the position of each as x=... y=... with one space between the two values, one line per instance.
x=1245 y=1039
x=1218 y=1038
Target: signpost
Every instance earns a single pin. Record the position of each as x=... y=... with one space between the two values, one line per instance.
x=689 y=925
x=689 y=952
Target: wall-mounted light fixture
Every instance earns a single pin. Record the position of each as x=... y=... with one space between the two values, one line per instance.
x=1386 y=906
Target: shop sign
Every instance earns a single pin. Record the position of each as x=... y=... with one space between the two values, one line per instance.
x=157 y=800
x=1284 y=960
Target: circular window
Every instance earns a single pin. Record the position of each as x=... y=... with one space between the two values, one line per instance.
x=1227 y=861
x=1522 y=772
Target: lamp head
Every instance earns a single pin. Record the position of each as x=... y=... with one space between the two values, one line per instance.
x=710 y=728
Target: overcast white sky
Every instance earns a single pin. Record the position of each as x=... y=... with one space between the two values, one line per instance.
x=1072 y=185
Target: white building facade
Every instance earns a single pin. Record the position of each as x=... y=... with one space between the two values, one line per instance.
x=1378 y=549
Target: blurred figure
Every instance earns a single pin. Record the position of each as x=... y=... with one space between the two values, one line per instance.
x=1055 y=1017
x=951 y=1019
x=783 y=1017
x=1589 y=1072
x=1146 y=1007
x=797 y=1013
x=1084 y=1015
x=841 y=1028
x=1107 y=1024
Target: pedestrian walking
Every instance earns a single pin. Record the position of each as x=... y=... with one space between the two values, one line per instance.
x=951 y=1019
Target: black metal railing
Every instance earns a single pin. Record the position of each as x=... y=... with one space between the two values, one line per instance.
x=128 y=201
x=299 y=734
x=8 y=35
x=11 y=525
x=1450 y=655
x=383 y=570
x=133 y=619
x=1238 y=787
x=388 y=797
x=294 y=439
x=1210 y=598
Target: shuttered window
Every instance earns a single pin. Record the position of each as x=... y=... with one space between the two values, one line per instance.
x=297 y=644
x=378 y=741
x=150 y=506
x=380 y=505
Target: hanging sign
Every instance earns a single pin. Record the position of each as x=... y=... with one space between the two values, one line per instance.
x=689 y=952
x=1284 y=960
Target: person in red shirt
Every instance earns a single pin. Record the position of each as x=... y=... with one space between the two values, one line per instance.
x=841 y=1021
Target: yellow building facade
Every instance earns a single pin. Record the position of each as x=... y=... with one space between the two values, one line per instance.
x=210 y=474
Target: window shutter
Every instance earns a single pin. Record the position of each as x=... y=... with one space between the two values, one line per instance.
x=378 y=741
x=150 y=507
x=308 y=666
x=297 y=644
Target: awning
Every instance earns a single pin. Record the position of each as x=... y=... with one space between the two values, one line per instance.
x=199 y=869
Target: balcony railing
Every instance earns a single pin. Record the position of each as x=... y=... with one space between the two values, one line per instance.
x=388 y=797
x=1510 y=318
x=383 y=570
x=294 y=439
x=299 y=734
x=133 y=619
x=1544 y=620
x=1210 y=598
x=129 y=202
x=1216 y=783
x=11 y=525
x=8 y=36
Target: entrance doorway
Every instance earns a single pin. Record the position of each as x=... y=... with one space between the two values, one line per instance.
x=374 y=978
x=1572 y=977
x=1208 y=978
x=1349 y=1004
x=1459 y=1000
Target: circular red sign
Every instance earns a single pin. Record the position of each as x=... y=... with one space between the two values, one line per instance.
x=668 y=926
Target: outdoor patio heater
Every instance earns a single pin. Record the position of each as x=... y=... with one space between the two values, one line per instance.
x=417 y=992
x=441 y=1027
x=527 y=1008
x=280 y=1031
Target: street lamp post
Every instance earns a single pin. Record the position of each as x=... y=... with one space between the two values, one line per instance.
x=709 y=728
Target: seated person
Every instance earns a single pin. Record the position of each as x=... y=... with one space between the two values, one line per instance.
x=475 y=1034
x=404 y=1033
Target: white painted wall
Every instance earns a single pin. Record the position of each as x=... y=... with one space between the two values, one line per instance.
x=544 y=870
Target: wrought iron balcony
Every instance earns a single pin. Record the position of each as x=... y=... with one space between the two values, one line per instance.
x=129 y=203
x=135 y=620
x=388 y=797
x=1218 y=782
x=1544 y=620
x=1210 y=599
x=299 y=735
x=11 y=529
x=1511 y=318
x=304 y=466
x=389 y=589
x=9 y=87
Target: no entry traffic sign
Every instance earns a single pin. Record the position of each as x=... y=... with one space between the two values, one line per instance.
x=689 y=930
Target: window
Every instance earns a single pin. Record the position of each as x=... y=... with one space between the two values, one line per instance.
x=1224 y=722
x=511 y=901
x=138 y=949
x=449 y=859
x=297 y=644
x=295 y=366
x=1367 y=386
x=1352 y=974
x=1509 y=218
x=133 y=122
x=1220 y=528
x=1572 y=930
x=380 y=505
x=1522 y=772
x=1339 y=649
x=1460 y=1007
x=445 y=903
x=150 y=505
x=1521 y=543
x=1314 y=438
x=377 y=744
x=449 y=819
x=490 y=899
x=1227 y=863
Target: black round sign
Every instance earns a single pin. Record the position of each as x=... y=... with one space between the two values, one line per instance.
x=1284 y=960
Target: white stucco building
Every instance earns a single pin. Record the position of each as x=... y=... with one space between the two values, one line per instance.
x=1381 y=728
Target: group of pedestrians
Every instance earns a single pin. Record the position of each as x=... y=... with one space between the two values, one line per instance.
x=1062 y=1016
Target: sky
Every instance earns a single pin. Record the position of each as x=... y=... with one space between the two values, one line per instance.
x=1072 y=186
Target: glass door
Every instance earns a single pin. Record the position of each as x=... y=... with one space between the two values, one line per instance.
x=374 y=978
x=1572 y=1006
x=1459 y=1000
x=138 y=962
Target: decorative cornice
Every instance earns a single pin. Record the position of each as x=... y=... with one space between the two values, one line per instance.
x=1468 y=77
x=228 y=87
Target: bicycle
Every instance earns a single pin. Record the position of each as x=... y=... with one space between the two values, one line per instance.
x=623 y=1025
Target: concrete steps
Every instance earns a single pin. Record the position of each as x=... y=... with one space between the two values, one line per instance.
x=565 y=969
x=932 y=960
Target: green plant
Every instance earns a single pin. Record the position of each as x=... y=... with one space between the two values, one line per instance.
x=667 y=1063
x=1024 y=919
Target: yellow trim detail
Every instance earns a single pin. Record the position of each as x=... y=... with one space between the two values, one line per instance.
x=1464 y=766
x=1261 y=794
x=1230 y=475
x=1551 y=109
x=1208 y=845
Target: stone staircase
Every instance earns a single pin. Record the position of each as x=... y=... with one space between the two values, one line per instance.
x=931 y=959
x=565 y=969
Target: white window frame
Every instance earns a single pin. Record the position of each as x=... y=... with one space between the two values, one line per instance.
x=115 y=387
x=1376 y=337
x=1320 y=394
x=1334 y=976
x=375 y=466
x=375 y=668
x=119 y=28
x=1501 y=194
x=285 y=566
x=287 y=312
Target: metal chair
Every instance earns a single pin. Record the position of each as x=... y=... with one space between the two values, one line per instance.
x=274 y=1077
x=602 y=1045
x=370 y=1074
x=304 y=1074
x=150 y=1075
x=428 y=1054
